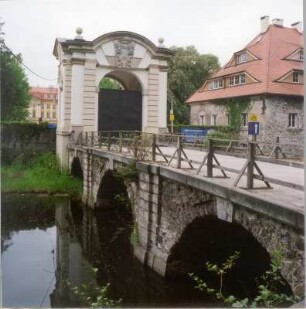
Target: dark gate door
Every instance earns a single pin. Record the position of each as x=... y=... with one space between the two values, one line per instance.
x=119 y=110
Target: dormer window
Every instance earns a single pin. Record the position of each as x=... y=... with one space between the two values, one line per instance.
x=215 y=84
x=237 y=80
x=295 y=77
x=301 y=55
x=241 y=58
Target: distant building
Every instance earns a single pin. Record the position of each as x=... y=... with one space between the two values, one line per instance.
x=43 y=104
x=268 y=72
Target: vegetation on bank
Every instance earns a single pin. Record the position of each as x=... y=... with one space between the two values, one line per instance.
x=39 y=174
x=269 y=294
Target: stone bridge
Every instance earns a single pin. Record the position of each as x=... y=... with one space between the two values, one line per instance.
x=177 y=213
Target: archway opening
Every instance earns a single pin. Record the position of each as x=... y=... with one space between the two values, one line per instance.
x=110 y=83
x=76 y=168
x=208 y=239
x=112 y=192
x=120 y=102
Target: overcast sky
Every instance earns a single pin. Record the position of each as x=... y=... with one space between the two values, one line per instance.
x=220 y=27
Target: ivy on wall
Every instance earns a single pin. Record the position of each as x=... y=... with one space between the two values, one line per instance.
x=235 y=107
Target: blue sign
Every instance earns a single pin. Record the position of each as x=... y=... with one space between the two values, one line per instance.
x=192 y=135
x=51 y=125
x=253 y=128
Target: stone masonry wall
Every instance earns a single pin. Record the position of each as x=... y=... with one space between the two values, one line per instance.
x=273 y=117
x=165 y=208
x=274 y=235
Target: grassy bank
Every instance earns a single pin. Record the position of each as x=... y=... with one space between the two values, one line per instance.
x=39 y=175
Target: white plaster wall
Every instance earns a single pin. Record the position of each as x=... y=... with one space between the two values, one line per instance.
x=77 y=94
x=101 y=57
x=108 y=48
x=145 y=61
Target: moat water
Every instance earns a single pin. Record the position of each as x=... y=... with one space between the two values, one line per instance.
x=47 y=242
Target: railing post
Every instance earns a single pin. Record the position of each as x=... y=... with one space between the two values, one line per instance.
x=86 y=138
x=154 y=147
x=120 y=141
x=251 y=159
x=109 y=141
x=210 y=153
x=92 y=139
x=99 y=139
x=277 y=147
x=179 y=152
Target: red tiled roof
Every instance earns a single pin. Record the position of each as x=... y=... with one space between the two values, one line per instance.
x=270 y=48
x=39 y=92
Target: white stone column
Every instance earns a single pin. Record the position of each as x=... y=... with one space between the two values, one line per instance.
x=77 y=89
x=162 y=109
x=144 y=109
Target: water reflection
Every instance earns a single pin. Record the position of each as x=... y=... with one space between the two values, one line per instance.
x=47 y=242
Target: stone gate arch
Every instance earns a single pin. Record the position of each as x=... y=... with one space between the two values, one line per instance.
x=124 y=55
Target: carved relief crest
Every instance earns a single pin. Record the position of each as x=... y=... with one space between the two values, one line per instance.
x=124 y=52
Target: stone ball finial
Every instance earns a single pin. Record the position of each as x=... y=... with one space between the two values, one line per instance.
x=161 y=42
x=79 y=32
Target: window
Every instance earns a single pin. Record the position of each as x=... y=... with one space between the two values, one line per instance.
x=301 y=55
x=42 y=114
x=33 y=114
x=215 y=84
x=228 y=118
x=292 y=120
x=295 y=77
x=48 y=115
x=213 y=120
x=241 y=58
x=53 y=115
x=237 y=80
x=244 y=119
x=242 y=79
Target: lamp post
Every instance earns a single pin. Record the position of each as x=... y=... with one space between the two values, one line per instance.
x=171 y=116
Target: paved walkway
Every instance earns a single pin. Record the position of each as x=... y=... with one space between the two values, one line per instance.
x=282 y=195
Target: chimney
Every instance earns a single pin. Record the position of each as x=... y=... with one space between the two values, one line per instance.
x=278 y=22
x=264 y=24
x=298 y=26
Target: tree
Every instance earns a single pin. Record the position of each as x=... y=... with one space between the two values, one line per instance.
x=14 y=84
x=109 y=83
x=187 y=72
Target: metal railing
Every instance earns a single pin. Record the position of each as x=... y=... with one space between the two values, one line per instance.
x=171 y=150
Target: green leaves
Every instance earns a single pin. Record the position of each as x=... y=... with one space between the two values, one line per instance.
x=109 y=83
x=14 y=87
x=93 y=295
x=187 y=72
x=267 y=296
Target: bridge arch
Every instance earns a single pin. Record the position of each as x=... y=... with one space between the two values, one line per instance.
x=112 y=191
x=209 y=239
x=76 y=169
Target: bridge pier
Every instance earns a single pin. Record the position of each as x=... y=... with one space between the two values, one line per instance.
x=148 y=216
